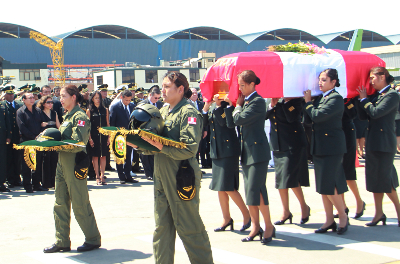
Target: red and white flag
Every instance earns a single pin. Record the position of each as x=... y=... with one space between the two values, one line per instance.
x=288 y=74
x=192 y=120
x=81 y=123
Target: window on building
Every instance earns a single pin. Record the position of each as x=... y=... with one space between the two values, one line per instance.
x=194 y=75
x=151 y=76
x=128 y=76
x=29 y=75
x=99 y=79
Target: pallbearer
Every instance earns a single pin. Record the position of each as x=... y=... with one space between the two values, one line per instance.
x=380 y=147
x=328 y=144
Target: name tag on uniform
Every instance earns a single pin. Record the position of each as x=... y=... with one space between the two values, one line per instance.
x=65 y=124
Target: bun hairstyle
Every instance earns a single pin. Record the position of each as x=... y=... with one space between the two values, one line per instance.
x=333 y=75
x=179 y=79
x=73 y=90
x=382 y=71
x=249 y=76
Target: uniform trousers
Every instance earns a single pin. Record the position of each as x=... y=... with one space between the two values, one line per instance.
x=124 y=170
x=50 y=159
x=148 y=164
x=13 y=165
x=175 y=215
x=3 y=164
x=32 y=177
x=70 y=189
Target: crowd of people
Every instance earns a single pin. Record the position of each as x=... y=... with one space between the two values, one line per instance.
x=309 y=130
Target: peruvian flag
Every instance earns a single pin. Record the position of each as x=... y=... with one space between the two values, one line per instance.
x=288 y=74
x=192 y=120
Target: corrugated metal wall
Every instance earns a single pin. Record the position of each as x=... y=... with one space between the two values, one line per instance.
x=392 y=60
x=24 y=50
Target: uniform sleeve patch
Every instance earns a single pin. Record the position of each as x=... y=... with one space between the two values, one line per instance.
x=81 y=123
x=350 y=106
x=367 y=104
x=291 y=108
x=192 y=120
x=308 y=106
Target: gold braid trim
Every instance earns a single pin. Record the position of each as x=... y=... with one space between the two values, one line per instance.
x=122 y=131
x=164 y=141
x=27 y=159
x=308 y=106
x=55 y=148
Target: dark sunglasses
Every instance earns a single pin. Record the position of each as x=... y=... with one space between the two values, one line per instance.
x=49 y=102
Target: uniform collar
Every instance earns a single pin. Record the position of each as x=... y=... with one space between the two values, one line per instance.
x=76 y=108
x=179 y=105
x=384 y=90
x=328 y=92
x=247 y=98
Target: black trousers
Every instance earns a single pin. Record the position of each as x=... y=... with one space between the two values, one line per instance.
x=13 y=167
x=204 y=151
x=308 y=130
x=3 y=164
x=32 y=177
x=124 y=170
x=148 y=164
x=50 y=159
x=135 y=162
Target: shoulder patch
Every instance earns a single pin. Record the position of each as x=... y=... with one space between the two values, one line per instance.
x=81 y=123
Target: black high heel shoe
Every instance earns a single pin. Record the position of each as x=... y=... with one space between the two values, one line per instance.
x=268 y=239
x=345 y=210
x=222 y=228
x=246 y=226
x=342 y=230
x=324 y=230
x=358 y=215
x=383 y=219
x=281 y=222
x=305 y=220
x=251 y=238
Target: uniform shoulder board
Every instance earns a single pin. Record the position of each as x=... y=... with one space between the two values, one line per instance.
x=189 y=106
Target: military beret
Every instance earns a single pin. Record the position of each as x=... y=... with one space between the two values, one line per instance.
x=140 y=90
x=9 y=88
x=34 y=90
x=121 y=88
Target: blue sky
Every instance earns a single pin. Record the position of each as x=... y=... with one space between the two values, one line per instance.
x=238 y=17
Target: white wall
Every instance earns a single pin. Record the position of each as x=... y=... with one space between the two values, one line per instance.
x=108 y=78
x=44 y=74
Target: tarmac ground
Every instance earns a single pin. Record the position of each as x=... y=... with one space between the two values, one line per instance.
x=125 y=218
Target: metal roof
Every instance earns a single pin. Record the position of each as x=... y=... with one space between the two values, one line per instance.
x=8 y=30
x=395 y=39
x=347 y=35
x=204 y=33
x=280 y=34
x=104 y=32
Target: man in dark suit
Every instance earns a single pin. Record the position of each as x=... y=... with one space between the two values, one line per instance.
x=148 y=160
x=5 y=138
x=13 y=156
x=119 y=117
x=204 y=146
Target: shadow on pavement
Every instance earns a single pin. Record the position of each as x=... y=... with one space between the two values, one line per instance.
x=103 y=255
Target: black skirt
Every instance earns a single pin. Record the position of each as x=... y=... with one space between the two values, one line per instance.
x=291 y=168
x=397 y=128
x=380 y=173
x=225 y=174
x=329 y=174
x=255 y=177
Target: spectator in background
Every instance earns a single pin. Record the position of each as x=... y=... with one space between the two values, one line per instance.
x=49 y=120
x=119 y=117
x=46 y=90
x=148 y=160
x=98 y=144
x=29 y=123
x=56 y=93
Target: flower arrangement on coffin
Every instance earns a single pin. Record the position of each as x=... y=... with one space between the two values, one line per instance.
x=300 y=47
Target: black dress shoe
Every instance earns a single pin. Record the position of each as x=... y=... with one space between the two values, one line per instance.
x=324 y=230
x=268 y=239
x=149 y=178
x=305 y=220
x=131 y=180
x=222 y=228
x=383 y=219
x=246 y=226
x=122 y=182
x=87 y=247
x=4 y=189
x=10 y=185
x=29 y=190
x=358 y=215
x=40 y=189
x=342 y=230
x=55 y=248
x=251 y=238
x=345 y=210
x=281 y=222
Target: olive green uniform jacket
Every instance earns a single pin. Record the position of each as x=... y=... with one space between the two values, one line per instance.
x=71 y=190
x=185 y=124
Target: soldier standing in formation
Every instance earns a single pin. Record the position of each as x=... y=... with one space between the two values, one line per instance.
x=5 y=139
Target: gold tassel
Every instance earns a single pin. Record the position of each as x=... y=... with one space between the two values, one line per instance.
x=28 y=160
x=164 y=141
x=54 y=148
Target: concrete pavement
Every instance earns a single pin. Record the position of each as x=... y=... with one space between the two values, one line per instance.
x=124 y=215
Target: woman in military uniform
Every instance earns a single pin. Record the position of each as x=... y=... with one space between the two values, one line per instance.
x=328 y=144
x=288 y=143
x=250 y=114
x=224 y=152
x=349 y=158
x=183 y=123
x=71 y=188
x=380 y=109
